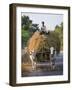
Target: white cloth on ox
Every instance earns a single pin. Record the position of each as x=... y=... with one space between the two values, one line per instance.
x=51 y=50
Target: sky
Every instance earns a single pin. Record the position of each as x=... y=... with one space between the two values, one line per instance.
x=51 y=20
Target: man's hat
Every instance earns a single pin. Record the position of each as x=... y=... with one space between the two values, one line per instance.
x=43 y=22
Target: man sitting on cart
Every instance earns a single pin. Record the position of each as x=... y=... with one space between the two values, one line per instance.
x=43 y=29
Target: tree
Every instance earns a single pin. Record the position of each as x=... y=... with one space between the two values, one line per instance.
x=25 y=34
x=28 y=28
x=33 y=28
x=59 y=31
x=61 y=27
x=54 y=41
x=25 y=22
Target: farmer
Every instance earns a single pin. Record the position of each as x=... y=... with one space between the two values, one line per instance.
x=43 y=29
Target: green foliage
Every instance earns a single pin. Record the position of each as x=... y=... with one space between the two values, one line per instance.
x=25 y=36
x=27 y=29
x=59 y=31
x=54 y=41
x=25 y=22
x=34 y=27
x=62 y=27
